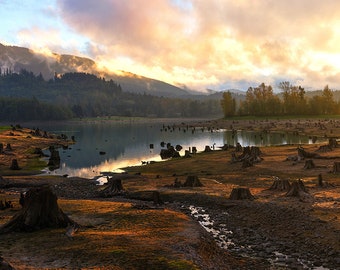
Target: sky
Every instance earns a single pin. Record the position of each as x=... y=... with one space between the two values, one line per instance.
x=198 y=44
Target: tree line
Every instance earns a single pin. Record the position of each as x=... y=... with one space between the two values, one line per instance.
x=261 y=101
x=26 y=96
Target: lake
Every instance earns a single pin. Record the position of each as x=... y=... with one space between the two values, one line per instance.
x=108 y=146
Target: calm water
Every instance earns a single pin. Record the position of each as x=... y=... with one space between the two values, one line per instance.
x=128 y=144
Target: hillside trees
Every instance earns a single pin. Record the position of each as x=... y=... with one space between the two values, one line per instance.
x=260 y=101
x=86 y=95
x=294 y=101
x=228 y=104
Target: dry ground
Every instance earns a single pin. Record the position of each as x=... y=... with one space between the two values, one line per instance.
x=116 y=235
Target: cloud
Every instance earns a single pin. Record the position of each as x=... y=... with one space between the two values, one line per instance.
x=208 y=43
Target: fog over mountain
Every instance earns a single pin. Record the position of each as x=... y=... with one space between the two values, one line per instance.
x=13 y=58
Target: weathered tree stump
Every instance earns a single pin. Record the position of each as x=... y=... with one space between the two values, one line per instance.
x=241 y=194
x=14 y=165
x=249 y=156
x=38 y=151
x=1 y=148
x=114 y=187
x=207 y=148
x=322 y=183
x=40 y=210
x=332 y=142
x=8 y=147
x=309 y=164
x=54 y=160
x=238 y=147
x=336 y=167
x=5 y=265
x=170 y=152
x=187 y=154
x=3 y=183
x=192 y=181
x=297 y=189
x=280 y=184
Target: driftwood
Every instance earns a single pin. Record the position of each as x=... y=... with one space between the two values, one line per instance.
x=40 y=210
x=304 y=154
x=147 y=195
x=241 y=194
x=280 y=184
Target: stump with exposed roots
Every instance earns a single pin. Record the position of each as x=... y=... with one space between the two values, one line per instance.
x=241 y=194
x=40 y=210
x=192 y=181
x=309 y=164
x=280 y=184
x=14 y=165
x=114 y=187
x=298 y=189
x=336 y=167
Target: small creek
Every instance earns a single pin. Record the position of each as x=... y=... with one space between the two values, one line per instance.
x=225 y=239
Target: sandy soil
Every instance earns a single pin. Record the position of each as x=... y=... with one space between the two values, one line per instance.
x=117 y=234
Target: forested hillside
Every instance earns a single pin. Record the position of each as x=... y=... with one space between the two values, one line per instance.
x=26 y=96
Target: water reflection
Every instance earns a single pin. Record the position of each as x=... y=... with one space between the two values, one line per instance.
x=128 y=144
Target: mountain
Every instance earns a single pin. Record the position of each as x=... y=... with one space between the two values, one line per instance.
x=13 y=59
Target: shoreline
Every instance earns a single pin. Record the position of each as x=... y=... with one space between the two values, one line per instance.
x=304 y=230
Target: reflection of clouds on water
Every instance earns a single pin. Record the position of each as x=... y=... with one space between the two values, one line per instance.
x=110 y=165
x=128 y=144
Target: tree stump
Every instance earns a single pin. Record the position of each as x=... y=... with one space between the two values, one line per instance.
x=114 y=187
x=207 y=148
x=297 y=189
x=5 y=265
x=54 y=160
x=336 y=167
x=241 y=194
x=40 y=210
x=8 y=147
x=309 y=164
x=333 y=143
x=3 y=183
x=14 y=165
x=280 y=184
x=192 y=181
x=1 y=148
x=323 y=184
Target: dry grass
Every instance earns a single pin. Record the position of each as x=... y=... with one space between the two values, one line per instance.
x=115 y=235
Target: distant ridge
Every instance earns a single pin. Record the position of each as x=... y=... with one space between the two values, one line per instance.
x=15 y=58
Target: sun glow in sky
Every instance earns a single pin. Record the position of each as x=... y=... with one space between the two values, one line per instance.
x=200 y=44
